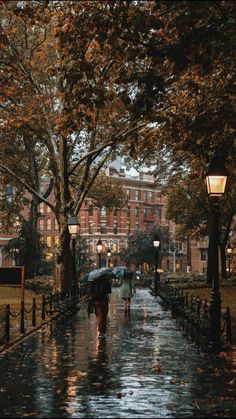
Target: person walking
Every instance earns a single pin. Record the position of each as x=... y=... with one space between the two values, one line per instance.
x=127 y=289
x=99 y=302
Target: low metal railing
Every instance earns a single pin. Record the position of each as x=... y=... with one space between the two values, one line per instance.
x=15 y=324
x=194 y=314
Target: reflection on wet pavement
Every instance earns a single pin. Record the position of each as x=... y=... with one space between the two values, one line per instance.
x=145 y=367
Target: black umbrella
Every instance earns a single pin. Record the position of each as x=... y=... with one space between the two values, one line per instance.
x=121 y=271
x=99 y=273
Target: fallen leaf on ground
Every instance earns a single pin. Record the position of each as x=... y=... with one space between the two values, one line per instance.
x=119 y=395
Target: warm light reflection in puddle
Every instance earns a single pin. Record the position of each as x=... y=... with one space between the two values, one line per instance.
x=71 y=392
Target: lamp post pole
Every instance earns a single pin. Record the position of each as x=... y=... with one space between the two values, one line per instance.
x=74 y=288
x=215 y=323
x=73 y=226
x=156 y=244
x=108 y=256
x=99 y=250
x=229 y=251
x=216 y=180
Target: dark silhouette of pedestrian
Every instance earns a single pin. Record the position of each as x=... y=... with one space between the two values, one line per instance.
x=127 y=289
x=99 y=302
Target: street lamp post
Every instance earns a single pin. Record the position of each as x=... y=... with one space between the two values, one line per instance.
x=16 y=252
x=99 y=251
x=216 y=180
x=109 y=256
x=72 y=224
x=229 y=251
x=156 y=244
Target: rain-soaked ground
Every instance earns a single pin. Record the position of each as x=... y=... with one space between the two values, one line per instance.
x=144 y=368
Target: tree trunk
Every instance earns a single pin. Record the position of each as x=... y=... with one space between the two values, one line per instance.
x=64 y=257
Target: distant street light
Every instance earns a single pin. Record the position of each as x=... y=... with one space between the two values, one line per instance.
x=229 y=251
x=109 y=256
x=16 y=252
x=73 y=224
x=99 y=251
x=156 y=244
x=216 y=181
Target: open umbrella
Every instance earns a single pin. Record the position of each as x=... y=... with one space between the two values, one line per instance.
x=121 y=271
x=98 y=273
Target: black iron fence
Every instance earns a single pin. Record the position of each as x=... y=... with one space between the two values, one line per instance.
x=193 y=314
x=15 y=324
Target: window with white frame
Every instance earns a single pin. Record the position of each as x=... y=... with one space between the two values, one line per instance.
x=90 y=227
x=137 y=195
x=103 y=211
x=128 y=193
x=203 y=254
x=103 y=228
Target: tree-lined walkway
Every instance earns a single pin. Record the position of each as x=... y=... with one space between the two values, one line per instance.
x=146 y=367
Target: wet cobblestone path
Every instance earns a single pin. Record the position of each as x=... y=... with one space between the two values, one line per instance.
x=145 y=368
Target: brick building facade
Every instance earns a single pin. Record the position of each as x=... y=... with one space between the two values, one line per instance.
x=146 y=208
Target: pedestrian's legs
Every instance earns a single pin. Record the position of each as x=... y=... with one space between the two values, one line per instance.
x=127 y=305
x=101 y=310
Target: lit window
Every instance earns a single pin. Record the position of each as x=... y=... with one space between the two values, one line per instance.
x=41 y=208
x=41 y=224
x=49 y=241
x=56 y=240
x=49 y=224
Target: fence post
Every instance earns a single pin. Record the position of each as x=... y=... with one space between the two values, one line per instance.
x=22 y=317
x=34 y=313
x=43 y=308
x=7 y=323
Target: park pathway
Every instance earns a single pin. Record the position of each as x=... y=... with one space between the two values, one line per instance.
x=146 y=367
